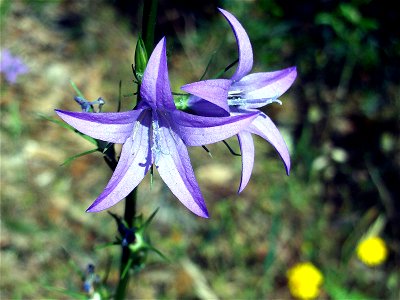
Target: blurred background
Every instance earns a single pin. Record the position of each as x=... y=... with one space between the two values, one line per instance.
x=340 y=120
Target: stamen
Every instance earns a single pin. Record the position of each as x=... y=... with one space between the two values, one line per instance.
x=235 y=98
x=156 y=147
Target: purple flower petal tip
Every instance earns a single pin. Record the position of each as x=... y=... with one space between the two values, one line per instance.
x=245 y=50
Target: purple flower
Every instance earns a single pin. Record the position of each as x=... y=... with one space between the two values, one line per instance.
x=246 y=93
x=155 y=132
x=11 y=66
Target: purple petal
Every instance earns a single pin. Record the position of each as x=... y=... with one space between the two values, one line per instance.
x=268 y=85
x=155 y=88
x=198 y=131
x=244 y=46
x=247 y=150
x=214 y=91
x=201 y=107
x=109 y=127
x=264 y=127
x=173 y=164
x=135 y=161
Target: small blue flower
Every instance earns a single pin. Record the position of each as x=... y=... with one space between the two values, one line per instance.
x=11 y=66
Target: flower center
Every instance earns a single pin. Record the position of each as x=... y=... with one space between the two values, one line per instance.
x=157 y=136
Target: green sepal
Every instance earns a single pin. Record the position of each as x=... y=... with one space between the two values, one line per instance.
x=181 y=102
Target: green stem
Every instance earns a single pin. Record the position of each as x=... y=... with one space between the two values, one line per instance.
x=148 y=28
x=129 y=216
x=149 y=23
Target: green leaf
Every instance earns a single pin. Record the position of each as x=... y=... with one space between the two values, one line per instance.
x=220 y=73
x=69 y=127
x=350 y=13
x=208 y=65
x=79 y=93
x=106 y=245
x=69 y=160
x=148 y=221
x=127 y=267
x=324 y=19
x=159 y=253
x=71 y=294
x=335 y=288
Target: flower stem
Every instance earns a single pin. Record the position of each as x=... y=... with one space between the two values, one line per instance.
x=129 y=216
x=149 y=23
x=148 y=28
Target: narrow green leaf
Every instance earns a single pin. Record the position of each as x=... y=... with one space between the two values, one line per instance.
x=230 y=148
x=69 y=127
x=72 y=263
x=159 y=253
x=148 y=221
x=151 y=177
x=208 y=65
x=69 y=160
x=219 y=74
x=207 y=150
x=119 y=96
x=72 y=294
x=74 y=86
x=127 y=267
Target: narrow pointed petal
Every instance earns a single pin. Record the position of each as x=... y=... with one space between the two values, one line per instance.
x=109 y=127
x=134 y=163
x=244 y=46
x=268 y=85
x=198 y=131
x=155 y=88
x=247 y=150
x=264 y=127
x=214 y=91
x=173 y=164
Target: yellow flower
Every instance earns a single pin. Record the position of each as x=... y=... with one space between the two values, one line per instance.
x=372 y=251
x=304 y=281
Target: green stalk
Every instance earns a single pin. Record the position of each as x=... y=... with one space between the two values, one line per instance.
x=148 y=28
x=149 y=23
x=129 y=216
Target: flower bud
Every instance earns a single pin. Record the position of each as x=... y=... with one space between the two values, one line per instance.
x=140 y=58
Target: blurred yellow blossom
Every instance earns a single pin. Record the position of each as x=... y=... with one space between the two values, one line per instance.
x=304 y=281
x=372 y=251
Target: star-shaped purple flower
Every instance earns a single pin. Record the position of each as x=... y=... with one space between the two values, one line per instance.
x=155 y=132
x=246 y=93
x=11 y=66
